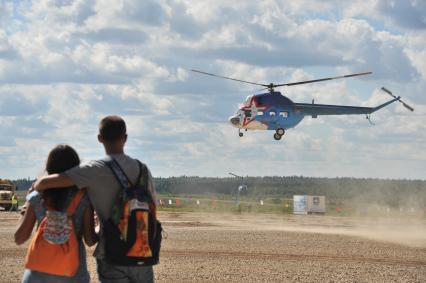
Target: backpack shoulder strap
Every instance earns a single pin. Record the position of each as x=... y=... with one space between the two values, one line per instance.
x=76 y=200
x=143 y=172
x=147 y=182
x=120 y=175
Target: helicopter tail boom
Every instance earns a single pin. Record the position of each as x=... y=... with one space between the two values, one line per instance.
x=321 y=109
x=374 y=109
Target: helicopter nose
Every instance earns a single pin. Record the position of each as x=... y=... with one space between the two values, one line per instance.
x=235 y=121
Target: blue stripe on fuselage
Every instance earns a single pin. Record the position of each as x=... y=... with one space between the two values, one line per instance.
x=280 y=105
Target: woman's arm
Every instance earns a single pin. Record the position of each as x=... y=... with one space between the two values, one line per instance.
x=26 y=224
x=89 y=234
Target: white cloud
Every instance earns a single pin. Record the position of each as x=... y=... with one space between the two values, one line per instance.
x=7 y=52
x=405 y=14
x=66 y=64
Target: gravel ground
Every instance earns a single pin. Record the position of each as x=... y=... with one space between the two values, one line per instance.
x=269 y=248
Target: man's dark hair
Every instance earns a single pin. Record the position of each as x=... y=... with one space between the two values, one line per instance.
x=112 y=128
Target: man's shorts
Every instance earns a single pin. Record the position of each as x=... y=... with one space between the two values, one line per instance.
x=109 y=273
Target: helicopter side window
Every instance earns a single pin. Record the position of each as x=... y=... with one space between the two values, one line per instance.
x=259 y=113
x=284 y=114
x=272 y=113
x=247 y=113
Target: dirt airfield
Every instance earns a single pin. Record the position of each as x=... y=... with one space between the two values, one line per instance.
x=211 y=247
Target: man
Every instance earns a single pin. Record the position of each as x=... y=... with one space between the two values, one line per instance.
x=103 y=187
x=14 y=206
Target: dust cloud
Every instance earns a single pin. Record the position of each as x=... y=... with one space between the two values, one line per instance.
x=408 y=231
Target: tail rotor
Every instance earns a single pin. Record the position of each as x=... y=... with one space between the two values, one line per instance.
x=398 y=98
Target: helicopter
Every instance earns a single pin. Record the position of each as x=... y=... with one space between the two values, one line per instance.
x=273 y=111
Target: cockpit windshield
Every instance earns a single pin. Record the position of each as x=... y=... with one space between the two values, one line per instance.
x=247 y=101
x=5 y=187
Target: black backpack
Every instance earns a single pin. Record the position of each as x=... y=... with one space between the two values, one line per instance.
x=132 y=233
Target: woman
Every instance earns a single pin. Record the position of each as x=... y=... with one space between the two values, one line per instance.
x=60 y=159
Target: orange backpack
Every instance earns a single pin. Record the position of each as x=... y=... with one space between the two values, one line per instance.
x=133 y=233
x=57 y=259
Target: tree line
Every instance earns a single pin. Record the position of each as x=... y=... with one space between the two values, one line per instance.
x=391 y=193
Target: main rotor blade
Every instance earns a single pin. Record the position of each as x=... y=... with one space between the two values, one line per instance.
x=213 y=75
x=324 y=79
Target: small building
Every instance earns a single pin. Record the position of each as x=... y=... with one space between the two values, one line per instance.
x=308 y=204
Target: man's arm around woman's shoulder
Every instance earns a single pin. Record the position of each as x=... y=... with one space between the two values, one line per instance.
x=53 y=181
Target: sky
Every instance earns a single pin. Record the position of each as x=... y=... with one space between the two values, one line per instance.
x=65 y=64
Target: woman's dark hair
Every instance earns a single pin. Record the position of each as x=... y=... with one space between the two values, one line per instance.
x=61 y=158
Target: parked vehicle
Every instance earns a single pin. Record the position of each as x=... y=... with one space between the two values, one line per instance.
x=7 y=192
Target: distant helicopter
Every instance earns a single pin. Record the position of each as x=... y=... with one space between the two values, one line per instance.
x=242 y=188
x=273 y=111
